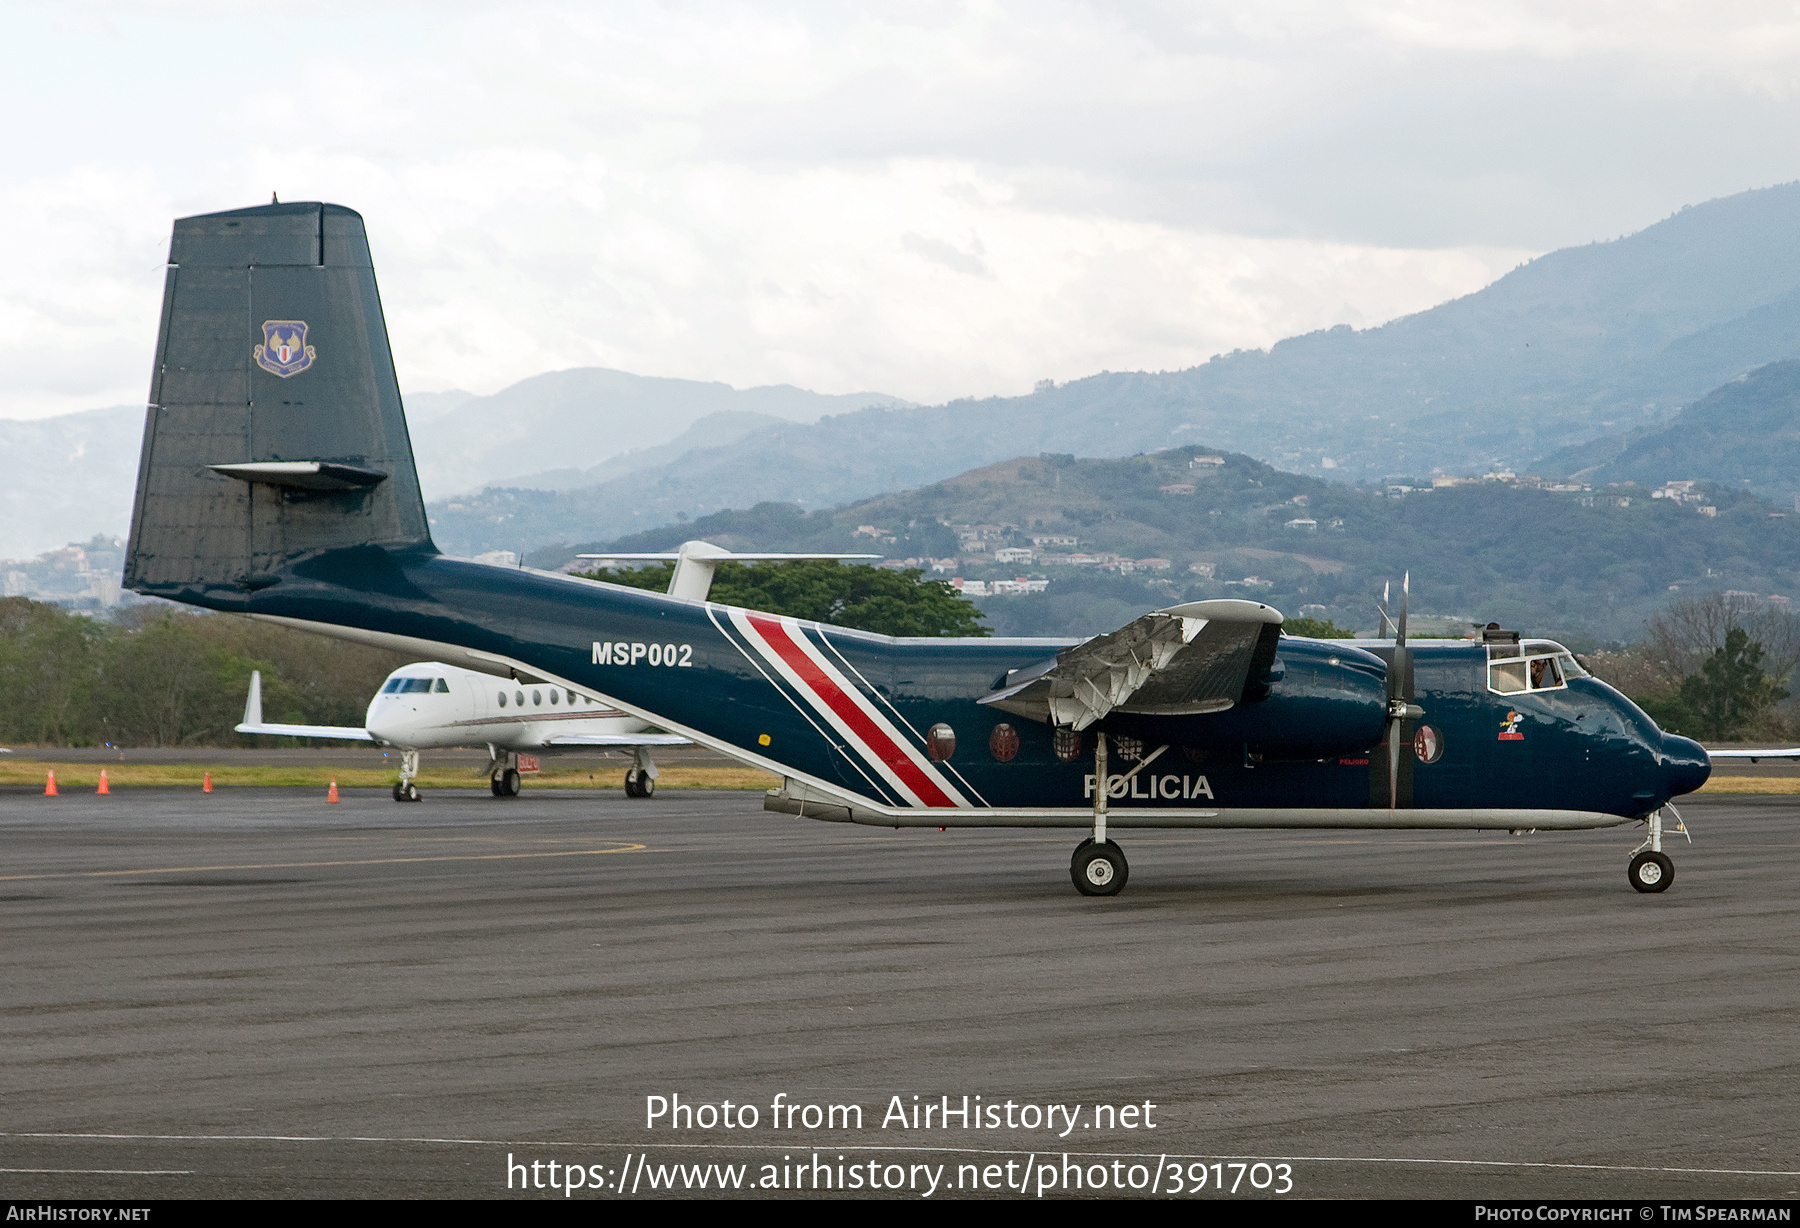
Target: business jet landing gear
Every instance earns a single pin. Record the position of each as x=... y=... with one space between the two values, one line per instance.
x=404 y=788
x=1650 y=869
x=503 y=772
x=640 y=778
x=1098 y=866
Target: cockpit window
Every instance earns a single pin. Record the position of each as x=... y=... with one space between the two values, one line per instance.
x=414 y=686
x=1532 y=665
x=442 y=688
x=393 y=686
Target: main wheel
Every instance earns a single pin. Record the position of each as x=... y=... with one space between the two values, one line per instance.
x=1099 y=869
x=494 y=786
x=507 y=783
x=631 y=782
x=1651 y=872
x=399 y=790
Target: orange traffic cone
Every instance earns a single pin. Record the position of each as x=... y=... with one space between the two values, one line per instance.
x=50 y=786
x=206 y=785
x=332 y=795
x=103 y=790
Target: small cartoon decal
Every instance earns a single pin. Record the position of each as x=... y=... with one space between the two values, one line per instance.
x=1509 y=728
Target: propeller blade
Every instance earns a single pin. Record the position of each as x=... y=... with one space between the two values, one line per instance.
x=1393 y=741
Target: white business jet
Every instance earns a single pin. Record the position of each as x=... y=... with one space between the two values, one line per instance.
x=431 y=706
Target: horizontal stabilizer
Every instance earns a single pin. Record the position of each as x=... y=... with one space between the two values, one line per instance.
x=695 y=562
x=1182 y=661
x=340 y=732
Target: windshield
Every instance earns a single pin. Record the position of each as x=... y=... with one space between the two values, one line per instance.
x=1531 y=665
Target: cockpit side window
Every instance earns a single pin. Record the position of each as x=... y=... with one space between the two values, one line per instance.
x=1534 y=665
x=443 y=687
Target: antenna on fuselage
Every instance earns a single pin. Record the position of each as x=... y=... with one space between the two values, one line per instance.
x=696 y=561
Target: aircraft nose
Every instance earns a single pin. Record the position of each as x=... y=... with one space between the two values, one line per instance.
x=1685 y=764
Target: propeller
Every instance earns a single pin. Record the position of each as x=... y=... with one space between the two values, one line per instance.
x=1399 y=707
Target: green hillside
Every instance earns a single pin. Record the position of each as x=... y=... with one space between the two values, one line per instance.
x=1528 y=557
x=1745 y=435
x=1580 y=343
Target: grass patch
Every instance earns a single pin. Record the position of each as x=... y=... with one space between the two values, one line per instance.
x=86 y=776
x=1752 y=784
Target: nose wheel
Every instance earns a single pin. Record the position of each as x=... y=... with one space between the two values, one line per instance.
x=1651 y=871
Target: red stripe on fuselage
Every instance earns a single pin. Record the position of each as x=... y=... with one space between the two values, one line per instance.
x=778 y=638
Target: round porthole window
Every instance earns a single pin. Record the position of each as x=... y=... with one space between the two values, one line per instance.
x=1003 y=743
x=1428 y=744
x=940 y=742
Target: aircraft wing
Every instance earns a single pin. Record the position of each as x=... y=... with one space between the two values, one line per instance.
x=1791 y=752
x=1180 y=661
x=619 y=739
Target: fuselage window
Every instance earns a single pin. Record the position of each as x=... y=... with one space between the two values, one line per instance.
x=442 y=688
x=571 y=697
x=519 y=698
x=502 y=697
x=555 y=698
x=537 y=697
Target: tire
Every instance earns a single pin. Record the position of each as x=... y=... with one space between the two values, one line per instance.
x=646 y=785
x=494 y=786
x=399 y=791
x=413 y=794
x=631 y=784
x=1651 y=872
x=1099 y=869
x=509 y=783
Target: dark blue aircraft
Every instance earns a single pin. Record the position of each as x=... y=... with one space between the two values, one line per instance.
x=277 y=480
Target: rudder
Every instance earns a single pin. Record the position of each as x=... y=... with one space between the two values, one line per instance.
x=275 y=430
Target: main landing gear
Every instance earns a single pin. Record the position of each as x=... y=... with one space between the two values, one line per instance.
x=1650 y=869
x=640 y=778
x=1098 y=866
x=404 y=788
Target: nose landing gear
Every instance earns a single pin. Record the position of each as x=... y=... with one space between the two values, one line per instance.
x=1651 y=870
x=404 y=788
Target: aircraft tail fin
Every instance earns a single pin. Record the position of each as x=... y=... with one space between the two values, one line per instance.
x=275 y=430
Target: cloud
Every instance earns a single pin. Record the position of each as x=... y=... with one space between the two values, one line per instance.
x=936 y=200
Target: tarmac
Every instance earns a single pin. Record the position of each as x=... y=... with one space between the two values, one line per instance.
x=255 y=994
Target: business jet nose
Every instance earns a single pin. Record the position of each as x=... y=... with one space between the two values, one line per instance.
x=1685 y=764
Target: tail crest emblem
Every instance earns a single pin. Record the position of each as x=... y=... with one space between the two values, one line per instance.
x=284 y=351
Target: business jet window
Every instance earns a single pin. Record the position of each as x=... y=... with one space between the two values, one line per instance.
x=501 y=696
x=519 y=698
x=1533 y=665
x=537 y=697
x=571 y=697
x=442 y=688
x=414 y=686
x=555 y=698
x=393 y=685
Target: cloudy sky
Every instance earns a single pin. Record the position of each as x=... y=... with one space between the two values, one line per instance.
x=927 y=199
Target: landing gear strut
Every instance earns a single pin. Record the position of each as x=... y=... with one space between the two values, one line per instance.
x=404 y=788
x=1098 y=866
x=1650 y=869
x=640 y=778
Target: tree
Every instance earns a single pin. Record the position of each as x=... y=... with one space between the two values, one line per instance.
x=876 y=599
x=1730 y=689
x=1316 y=629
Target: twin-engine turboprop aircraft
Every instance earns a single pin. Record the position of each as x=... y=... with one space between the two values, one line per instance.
x=281 y=485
